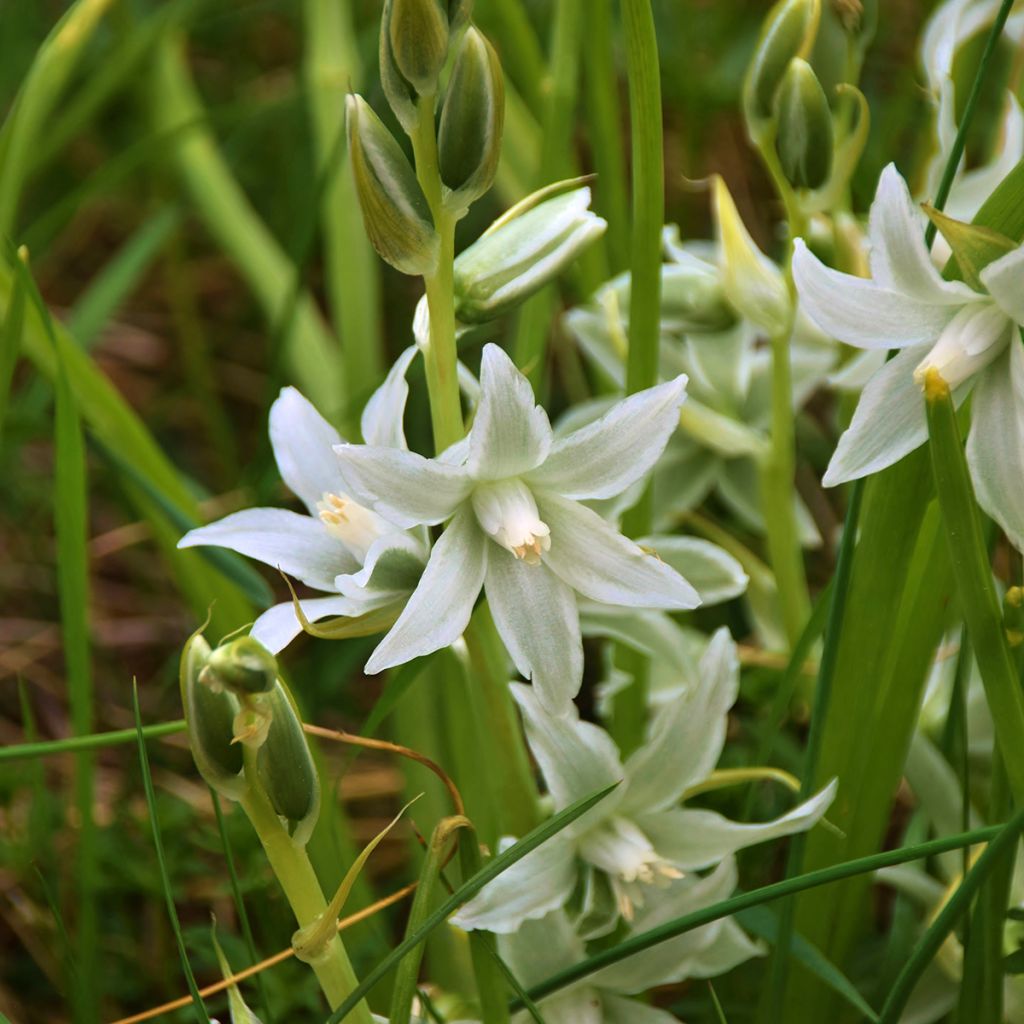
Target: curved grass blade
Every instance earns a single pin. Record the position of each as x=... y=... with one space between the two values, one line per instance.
x=94 y=741
x=10 y=340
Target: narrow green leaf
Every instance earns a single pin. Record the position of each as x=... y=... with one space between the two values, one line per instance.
x=10 y=340
x=467 y=891
x=240 y=1012
x=165 y=881
x=95 y=741
x=719 y=1012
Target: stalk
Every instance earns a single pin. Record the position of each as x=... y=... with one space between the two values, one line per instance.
x=295 y=874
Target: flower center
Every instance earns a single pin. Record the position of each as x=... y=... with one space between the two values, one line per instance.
x=970 y=341
x=356 y=527
x=507 y=511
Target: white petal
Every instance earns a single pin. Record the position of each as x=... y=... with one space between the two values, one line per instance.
x=861 y=312
x=511 y=432
x=889 y=422
x=604 y=458
x=694 y=839
x=899 y=259
x=402 y=486
x=730 y=948
x=576 y=758
x=1004 y=279
x=540 y=948
x=535 y=613
x=715 y=574
x=279 y=626
x=303 y=443
x=601 y=564
x=532 y=887
x=995 y=445
x=439 y=609
x=298 y=545
x=618 y=1010
x=382 y=418
x=394 y=564
x=686 y=734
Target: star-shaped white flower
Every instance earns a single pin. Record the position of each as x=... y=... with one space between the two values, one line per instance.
x=963 y=334
x=362 y=560
x=637 y=838
x=517 y=528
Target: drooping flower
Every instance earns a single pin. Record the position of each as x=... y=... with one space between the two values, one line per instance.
x=341 y=547
x=947 y=326
x=517 y=527
x=637 y=838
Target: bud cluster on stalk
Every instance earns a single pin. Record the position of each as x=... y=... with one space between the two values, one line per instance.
x=234 y=700
x=442 y=77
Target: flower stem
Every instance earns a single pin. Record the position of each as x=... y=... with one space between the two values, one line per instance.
x=973 y=574
x=297 y=878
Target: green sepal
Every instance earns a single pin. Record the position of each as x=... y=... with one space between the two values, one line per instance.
x=973 y=245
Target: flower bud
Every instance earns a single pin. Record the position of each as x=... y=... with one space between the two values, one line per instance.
x=209 y=717
x=395 y=211
x=472 y=118
x=751 y=281
x=418 y=33
x=804 y=137
x=788 y=32
x=243 y=666
x=521 y=253
x=285 y=767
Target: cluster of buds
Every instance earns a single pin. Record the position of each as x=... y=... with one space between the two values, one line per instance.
x=458 y=126
x=235 y=702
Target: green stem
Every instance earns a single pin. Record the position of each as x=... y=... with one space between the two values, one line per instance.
x=973 y=574
x=648 y=207
x=297 y=878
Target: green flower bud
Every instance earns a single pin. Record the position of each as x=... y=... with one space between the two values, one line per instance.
x=788 y=32
x=401 y=96
x=395 y=210
x=210 y=716
x=285 y=767
x=472 y=119
x=243 y=666
x=804 y=138
x=521 y=252
x=418 y=34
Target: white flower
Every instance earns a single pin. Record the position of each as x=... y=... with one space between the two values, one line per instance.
x=517 y=527
x=943 y=325
x=637 y=838
x=340 y=547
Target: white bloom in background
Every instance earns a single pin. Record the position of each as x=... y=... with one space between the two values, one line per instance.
x=340 y=547
x=517 y=527
x=637 y=839
x=963 y=334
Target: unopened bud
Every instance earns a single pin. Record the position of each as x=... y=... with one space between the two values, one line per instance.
x=395 y=210
x=804 y=138
x=285 y=767
x=243 y=666
x=751 y=282
x=209 y=717
x=518 y=255
x=418 y=34
x=472 y=118
x=788 y=32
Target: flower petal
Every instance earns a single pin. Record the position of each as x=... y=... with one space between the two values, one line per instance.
x=899 y=259
x=277 y=627
x=686 y=734
x=618 y=1010
x=605 y=457
x=439 y=609
x=695 y=839
x=601 y=564
x=403 y=487
x=1004 y=279
x=303 y=443
x=531 y=888
x=861 y=312
x=382 y=418
x=715 y=574
x=511 y=432
x=889 y=422
x=298 y=545
x=536 y=615
x=576 y=758
x=995 y=445
x=730 y=948
x=540 y=948
x=394 y=564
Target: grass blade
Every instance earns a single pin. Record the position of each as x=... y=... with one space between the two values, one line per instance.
x=93 y=741
x=10 y=340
